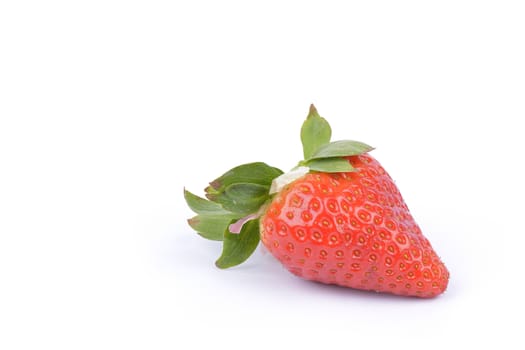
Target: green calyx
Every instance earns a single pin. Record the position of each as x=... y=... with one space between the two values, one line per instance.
x=234 y=201
x=243 y=189
x=229 y=213
x=322 y=155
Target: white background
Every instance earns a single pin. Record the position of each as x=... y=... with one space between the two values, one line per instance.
x=109 y=108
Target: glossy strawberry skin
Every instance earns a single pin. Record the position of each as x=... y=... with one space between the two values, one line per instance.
x=352 y=229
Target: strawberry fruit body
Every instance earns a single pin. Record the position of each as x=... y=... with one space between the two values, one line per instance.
x=352 y=229
x=337 y=218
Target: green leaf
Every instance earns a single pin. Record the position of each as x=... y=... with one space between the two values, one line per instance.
x=242 y=198
x=341 y=149
x=330 y=165
x=315 y=132
x=202 y=206
x=238 y=247
x=243 y=189
x=212 y=226
x=246 y=191
x=256 y=173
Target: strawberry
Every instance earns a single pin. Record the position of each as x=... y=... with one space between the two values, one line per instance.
x=336 y=218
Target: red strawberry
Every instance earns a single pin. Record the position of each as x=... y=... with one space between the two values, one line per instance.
x=336 y=218
x=352 y=229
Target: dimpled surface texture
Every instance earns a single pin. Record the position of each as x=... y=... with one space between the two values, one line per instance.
x=352 y=229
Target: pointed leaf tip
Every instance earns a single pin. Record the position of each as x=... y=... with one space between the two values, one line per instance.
x=200 y=205
x=212 y=226
x=315 y=132
x=313 y=110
